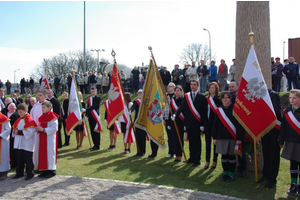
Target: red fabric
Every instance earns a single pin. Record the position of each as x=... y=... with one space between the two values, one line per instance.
x=221 y=68
x=43 y=152
x=115 y=98
x=29 y=122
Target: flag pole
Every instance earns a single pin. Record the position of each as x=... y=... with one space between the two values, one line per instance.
x=251 y=34
x=113 y=53
x=165 y=94
x=73 y=76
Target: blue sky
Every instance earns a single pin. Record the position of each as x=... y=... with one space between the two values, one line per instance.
x=31 y=31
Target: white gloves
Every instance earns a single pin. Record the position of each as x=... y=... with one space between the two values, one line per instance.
x=169 y=127
x=129 y=113
x=83 y=109
x=202 y=128
x=173 y=117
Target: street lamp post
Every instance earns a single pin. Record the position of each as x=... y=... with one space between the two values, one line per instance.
x=15 y=76
x=97 y=50
x=283 y=51
x=209 y=43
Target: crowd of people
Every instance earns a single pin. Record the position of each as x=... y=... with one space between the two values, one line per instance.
x=30 y=129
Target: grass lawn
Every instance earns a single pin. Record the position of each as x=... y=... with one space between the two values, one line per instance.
x=111 y=164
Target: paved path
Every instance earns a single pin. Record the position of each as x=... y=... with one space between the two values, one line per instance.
x=67 y=187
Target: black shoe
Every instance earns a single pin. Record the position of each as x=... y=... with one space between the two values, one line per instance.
x=28 y=177
x=42 y=174
x=293 y=189
x=91 y=148
x=113 y=146
x=195 y=164
x=177 y=160
x=242 y=174
x=65 y=145
x=298 y=190
x=17 y=176
x=94 y=149
x=151 y=156
x=224 y=177
x=270 y=184
x=110 y=147
x=262 y=179
x=49 y=175
x=230 y=179
x=142 y=155
x=137 y=154
x=189 y=161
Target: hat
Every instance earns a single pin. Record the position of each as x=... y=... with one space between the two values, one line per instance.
x=277 y=58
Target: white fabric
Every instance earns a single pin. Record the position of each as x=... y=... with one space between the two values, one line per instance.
x=27 y=140
x=51 y=130
x=5 y=136
x=35 y=113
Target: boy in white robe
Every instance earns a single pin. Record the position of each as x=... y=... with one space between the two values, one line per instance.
x=4 y=145
x=24 y=131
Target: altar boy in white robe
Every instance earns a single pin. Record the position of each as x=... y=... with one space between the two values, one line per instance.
x=35 y=113
x=47 y=151
x=24 y=133
x=4 y=145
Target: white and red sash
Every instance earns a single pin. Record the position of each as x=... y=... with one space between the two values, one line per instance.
x=212 y=104
x=175 y=107
x=129 y=135
x=98 y=127
x=278 y=125
x=115 y=124
x=230 y=127
x=138 y=101
x=290 y=118
x=192 y=107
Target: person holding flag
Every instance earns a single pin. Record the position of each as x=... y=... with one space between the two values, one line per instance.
x=192 y=107
x=79 y=129
x=227 y=134
x=126 y=126
x=140 y=133
x=92 y=111
x=289 y=139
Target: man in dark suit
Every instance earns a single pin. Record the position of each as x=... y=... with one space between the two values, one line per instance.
x=92 y=113
x=56 y=109
x=2 y=98
x=192 y=107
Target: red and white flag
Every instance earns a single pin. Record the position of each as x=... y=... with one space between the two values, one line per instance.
x=253 y=107
x=74 y=110
x=44 y=84
x=115 y=98
x=129 y=135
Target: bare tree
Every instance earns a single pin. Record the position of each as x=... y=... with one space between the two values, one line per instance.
x=257 y=14
x=61 y=64
x=195 y=52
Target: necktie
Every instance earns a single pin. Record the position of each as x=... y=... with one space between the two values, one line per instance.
x=194 y=95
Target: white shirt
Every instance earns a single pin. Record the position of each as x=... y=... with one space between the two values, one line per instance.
x=27 y=140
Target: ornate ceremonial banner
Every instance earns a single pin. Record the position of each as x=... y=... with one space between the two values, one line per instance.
x=153 y=102
x=253 y=107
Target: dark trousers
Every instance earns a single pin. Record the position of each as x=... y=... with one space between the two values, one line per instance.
x=271 y=155
x=67 y=137
x=141 y=140
x=228 y=162
x=277 y=84
x=13 y=154
x=59 y=142
x=294 y=169
x=194 y=143
x=135 y=85
x=291 y=81
x=95 y=135
x=208 y=139
x=171 y=143
x=81 y=89
x=7 y=91
x=86 y=88
x=154 y=148
x=98 y=88
x=24 y=157
x=242 y=162
x=180 y=125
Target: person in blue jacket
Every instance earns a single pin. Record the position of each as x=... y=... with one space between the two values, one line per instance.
x=212 y=72
x=292 y=72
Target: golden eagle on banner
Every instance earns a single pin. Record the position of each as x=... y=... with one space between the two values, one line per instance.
x=150 y=117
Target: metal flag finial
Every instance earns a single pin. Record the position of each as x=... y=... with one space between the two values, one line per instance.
x=251 y=35
x=113 y=53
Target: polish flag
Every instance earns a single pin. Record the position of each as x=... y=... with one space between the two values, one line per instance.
x=253 y=107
